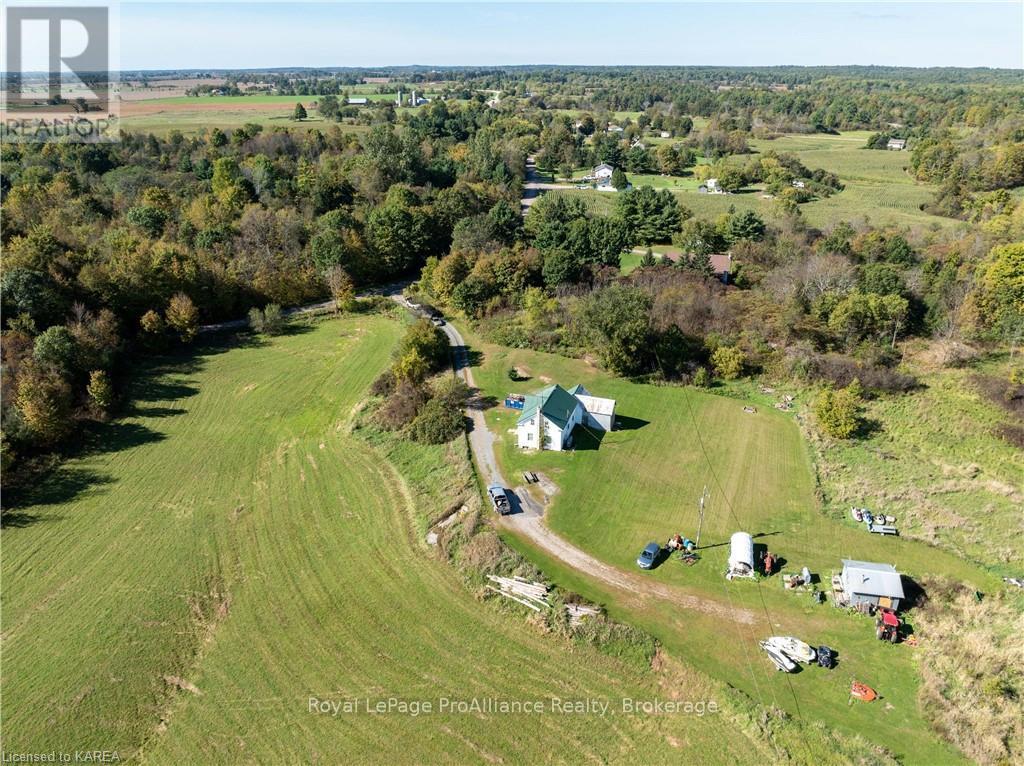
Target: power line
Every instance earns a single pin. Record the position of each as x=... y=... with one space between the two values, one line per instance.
x=732 y=606
x=732 y=512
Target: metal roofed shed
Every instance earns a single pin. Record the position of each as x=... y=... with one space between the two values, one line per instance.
x=864 y=582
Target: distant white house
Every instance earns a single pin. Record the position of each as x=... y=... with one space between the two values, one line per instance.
x=798 y=184
x=550 y=415
x=613 y=128
x=603 y=172
x=357 y=101
x=710 y=187
x=637 y=142
x=896 y=144
x=665 y=134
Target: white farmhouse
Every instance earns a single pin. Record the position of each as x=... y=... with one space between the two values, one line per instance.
x=603 y=172
x=550 y=415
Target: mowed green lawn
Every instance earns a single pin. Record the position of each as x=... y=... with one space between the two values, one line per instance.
x=642 y=484
x=231 y=549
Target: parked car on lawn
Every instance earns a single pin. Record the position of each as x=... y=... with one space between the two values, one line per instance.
x=648 y=556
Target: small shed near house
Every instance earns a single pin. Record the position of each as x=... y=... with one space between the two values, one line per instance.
x=867 y=583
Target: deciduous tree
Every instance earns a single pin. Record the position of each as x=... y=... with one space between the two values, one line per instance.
x=183 y=317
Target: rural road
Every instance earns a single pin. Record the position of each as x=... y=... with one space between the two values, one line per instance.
x=532 y=187
x=527 y=520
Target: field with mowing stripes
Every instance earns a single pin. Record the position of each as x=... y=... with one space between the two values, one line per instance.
x=230 y=549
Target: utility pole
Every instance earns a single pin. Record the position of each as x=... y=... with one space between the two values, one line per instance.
x=700 y=524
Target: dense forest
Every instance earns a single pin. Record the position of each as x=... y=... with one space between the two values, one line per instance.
x=112 y=251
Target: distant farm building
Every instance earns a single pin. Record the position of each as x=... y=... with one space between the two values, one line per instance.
x=550 y=415
x=710 y=187
x=614 y=129
x=896 y=144
x=357 y=101
x=413 y=100
x=878 y=585
x=798 y=184
x=665 y=134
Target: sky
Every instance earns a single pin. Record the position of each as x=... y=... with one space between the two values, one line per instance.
x=271 y=34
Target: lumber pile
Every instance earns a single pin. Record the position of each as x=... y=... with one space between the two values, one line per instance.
x=535 y=596
x=531 y=594
x=577 y=612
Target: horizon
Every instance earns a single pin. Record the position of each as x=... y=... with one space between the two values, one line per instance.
x=272 y=35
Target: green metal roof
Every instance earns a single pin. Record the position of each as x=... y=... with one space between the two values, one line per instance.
x=554 y=402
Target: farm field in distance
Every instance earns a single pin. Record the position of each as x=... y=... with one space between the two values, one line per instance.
x=192 y=114
x=230 y=550
x=642 y=483
x=877 y=188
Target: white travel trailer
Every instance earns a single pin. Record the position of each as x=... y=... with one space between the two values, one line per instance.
x=741 y=556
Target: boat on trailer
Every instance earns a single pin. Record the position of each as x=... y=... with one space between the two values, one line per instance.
x=793 y=648
x=782 y=662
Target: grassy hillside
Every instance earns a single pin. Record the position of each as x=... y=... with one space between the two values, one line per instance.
x=934 y=460
x=642 y=483
x=231 y=549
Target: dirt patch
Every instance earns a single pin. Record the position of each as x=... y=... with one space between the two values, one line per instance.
x=180 y=683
